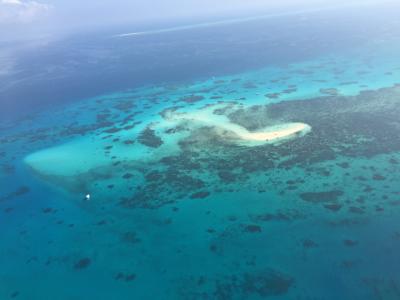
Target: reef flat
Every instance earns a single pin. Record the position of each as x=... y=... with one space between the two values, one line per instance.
x=169 y=155
x=80 y=164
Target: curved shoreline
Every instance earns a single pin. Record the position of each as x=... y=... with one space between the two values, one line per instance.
x=270 y=134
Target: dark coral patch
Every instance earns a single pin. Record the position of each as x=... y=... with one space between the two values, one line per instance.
x=127 y=176
x=125 y=277
x=270 y=283
x=267 y=283
x=83 y=263
x=48 y=210
x=321 y=197
x=7 y=169
x=192 y=98
x=249 y=85
x=272 y=95
x=344 y=165
x=333 y=207
x=153 y=176
x=350 y=243
x=378 y=177
x=112 y=130
x=227 y=176
x=124 y=106
x=130 y=237
x=252 y=228
x=130 y=277
x=148 y=138
x=8 y=210
x=22 y=191
x=200 y=195
x=288 y=216
x=356 y=210
x=307 y=243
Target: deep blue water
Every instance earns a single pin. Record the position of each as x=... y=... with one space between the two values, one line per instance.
x=93 y=63
x=184 y=204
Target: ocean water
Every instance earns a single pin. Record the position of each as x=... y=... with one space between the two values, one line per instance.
x=186 y=201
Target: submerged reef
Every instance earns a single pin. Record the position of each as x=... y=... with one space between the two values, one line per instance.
x=320 y=197
x=260 y=284
x=82 y=263
x=22 y=190
x=220 y=139
x=149 y=138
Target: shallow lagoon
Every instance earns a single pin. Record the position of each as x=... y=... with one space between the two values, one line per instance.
x=182 y=208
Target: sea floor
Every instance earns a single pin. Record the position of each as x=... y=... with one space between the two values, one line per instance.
x=183 y=206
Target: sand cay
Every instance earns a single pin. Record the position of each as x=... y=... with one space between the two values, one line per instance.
x=86 y=159
x=239 y=134
x=274 y=133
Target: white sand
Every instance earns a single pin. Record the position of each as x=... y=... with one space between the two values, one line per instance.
x=275 y=133
x=271 y=134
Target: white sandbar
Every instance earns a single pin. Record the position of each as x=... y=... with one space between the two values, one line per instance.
x=270 y=134
x=86 y=155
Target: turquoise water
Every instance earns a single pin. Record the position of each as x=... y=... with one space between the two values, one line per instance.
x=183 y=208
